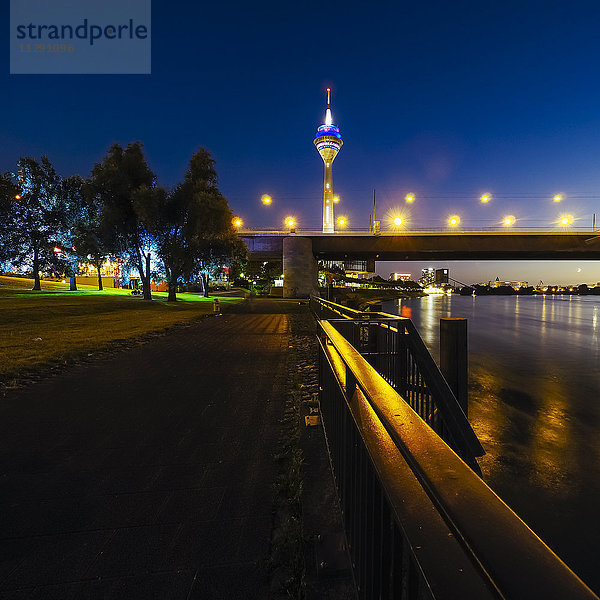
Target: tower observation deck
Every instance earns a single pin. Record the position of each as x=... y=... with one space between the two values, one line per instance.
x=328 y=141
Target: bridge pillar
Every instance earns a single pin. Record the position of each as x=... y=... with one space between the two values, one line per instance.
x=299 y=268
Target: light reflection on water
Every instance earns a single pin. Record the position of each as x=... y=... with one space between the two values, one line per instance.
x=534 y=403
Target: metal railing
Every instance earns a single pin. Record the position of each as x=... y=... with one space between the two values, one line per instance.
x=419 y=522
x=393 y=346
x=497 y=229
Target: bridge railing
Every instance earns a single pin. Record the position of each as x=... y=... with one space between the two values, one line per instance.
x=419 y=522
x=393 y=346
x=462 y=229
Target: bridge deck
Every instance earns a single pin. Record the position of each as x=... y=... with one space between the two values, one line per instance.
x=464 y=245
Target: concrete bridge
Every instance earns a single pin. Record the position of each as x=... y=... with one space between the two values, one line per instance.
x=301 y=251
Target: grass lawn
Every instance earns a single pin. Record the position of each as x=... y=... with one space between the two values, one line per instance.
x=38 y=327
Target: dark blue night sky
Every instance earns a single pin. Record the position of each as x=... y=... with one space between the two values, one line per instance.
x=444 y=99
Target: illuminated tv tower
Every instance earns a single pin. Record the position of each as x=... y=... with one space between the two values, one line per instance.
x=328 y=142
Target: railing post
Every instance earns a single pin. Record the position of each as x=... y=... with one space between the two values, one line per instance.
x=350 y=383
x=454 y=359
x=401 y=371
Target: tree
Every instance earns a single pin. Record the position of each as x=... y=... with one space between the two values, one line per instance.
x=122 y=183
x=332 y=272
x=8 y=193
x=37 y=219
x=90 y=235
x=193 y=225
x=262 y=274
x=409 y=284
x=74 y=214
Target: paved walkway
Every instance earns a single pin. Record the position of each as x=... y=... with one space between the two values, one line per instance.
x=148 y=474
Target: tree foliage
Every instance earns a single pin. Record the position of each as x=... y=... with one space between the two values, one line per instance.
x=118 y=211
x=8 y=209
x=262 y=274
x=193 y=225
x=38 y=218
x=91 y=235
x=122 y=184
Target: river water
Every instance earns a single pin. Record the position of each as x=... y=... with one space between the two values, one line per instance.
x=534 y=402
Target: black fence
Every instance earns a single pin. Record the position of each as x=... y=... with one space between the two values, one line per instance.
x=419 y=522
x=393 y=346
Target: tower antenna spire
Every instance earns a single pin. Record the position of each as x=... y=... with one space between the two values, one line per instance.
x=328 y=117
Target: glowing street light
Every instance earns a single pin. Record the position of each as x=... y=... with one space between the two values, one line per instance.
x=508 y=221
x=18 y=197
x=557 y=198
x=485 y=198
x=398 y=221
x=566 y=220
x=336 y=198
x=237 y=222
x=266 y=199
x=410 y=198
x=454 y=220
x=342 y=221
x=289 y=221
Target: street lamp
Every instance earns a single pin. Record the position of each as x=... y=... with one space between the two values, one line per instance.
x=266 y=199
x=342 y=221
x=454 y=220
x=410 y=198
x=289 y=221
x=557 y=198
x=398 y=221
x=508 y=221
x=18 y=197
x=237 y=222
x=485 y=198
x=566 y=220
x=336 y=198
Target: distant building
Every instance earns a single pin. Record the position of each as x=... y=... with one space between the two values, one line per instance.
x=431 y=276
x=427 y=276
x=441 y=276
x=356 y=269
x=400 y=276
x=513 y=284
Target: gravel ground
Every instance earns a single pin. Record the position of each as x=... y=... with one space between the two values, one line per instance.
x=327 y=566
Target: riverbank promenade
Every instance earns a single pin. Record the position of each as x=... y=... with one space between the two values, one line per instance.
x=148 y=474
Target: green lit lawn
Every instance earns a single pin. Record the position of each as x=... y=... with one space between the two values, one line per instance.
x=70 y=323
